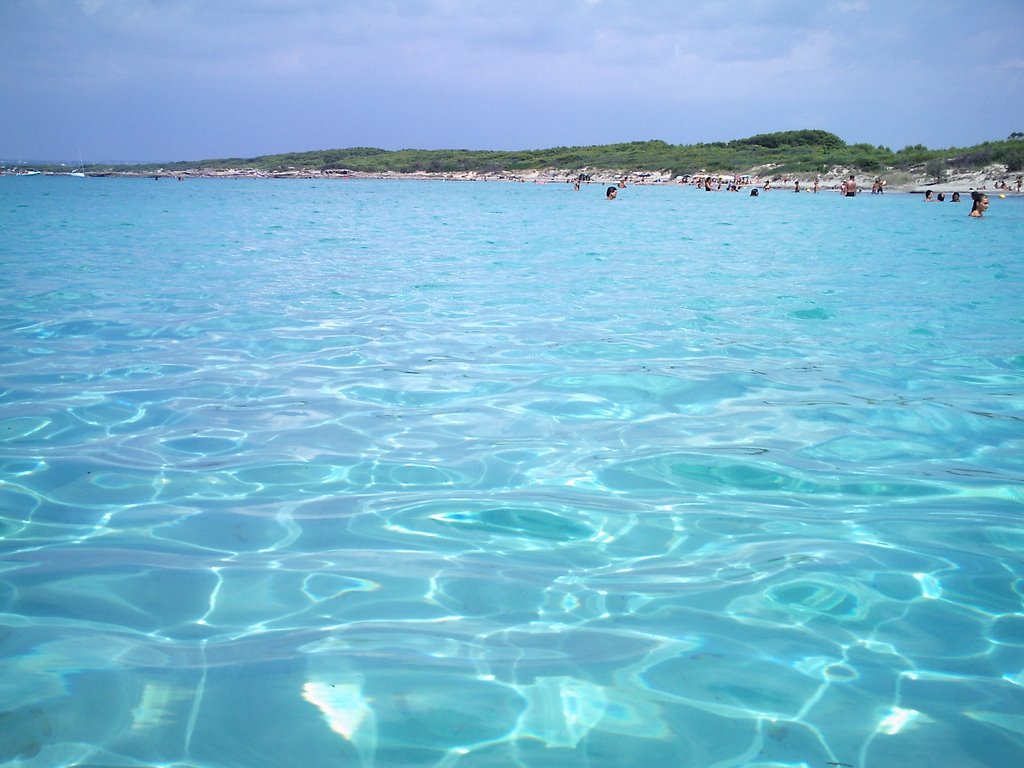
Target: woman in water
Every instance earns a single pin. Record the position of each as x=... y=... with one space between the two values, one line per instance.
x=980 y=204
x=611 y=192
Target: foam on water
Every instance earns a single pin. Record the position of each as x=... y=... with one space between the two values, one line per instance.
x=439 y=474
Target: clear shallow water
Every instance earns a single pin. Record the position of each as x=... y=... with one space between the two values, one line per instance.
x=427 y=474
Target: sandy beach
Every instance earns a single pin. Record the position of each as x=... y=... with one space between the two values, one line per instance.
x=990 y=179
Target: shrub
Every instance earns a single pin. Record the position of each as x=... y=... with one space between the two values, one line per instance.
x=937 y=169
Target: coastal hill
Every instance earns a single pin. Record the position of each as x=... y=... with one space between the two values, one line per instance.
x=806 y=151
x=799 y=154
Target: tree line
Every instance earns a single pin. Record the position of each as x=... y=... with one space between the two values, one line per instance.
x=803 y=151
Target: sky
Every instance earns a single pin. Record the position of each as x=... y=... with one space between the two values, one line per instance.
x=166 y=80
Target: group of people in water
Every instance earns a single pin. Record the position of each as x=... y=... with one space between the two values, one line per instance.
x=979 y=201
x=928 y=198
x=848 y=188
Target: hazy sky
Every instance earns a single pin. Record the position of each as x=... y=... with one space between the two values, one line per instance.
x=163 y=80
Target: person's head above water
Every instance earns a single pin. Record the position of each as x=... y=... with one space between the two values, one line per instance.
x=980 y=204
x=611 y=192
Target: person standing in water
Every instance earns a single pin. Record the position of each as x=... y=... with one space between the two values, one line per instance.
x=851 y=187
x=980 y=204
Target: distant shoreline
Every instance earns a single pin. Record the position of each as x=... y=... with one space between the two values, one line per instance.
x=989 y=180
x=782 y=156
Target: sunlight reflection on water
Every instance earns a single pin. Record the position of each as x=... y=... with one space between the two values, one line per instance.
x=488 y=474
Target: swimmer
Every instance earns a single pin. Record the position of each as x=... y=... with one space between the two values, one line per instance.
x=611 y=192
x=851 y=187
x=928 y=196
x=955 y=198
x=980 y=204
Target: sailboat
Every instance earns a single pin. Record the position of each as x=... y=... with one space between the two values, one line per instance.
x=80 y=170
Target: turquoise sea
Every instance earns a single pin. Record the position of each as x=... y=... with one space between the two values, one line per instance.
x=398 y=474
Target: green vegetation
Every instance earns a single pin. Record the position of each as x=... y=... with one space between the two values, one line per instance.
x=807 y=151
